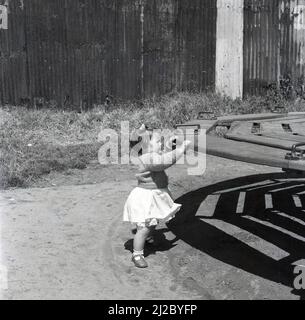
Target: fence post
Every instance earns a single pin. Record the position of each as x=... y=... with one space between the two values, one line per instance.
x=142 y=49
x=229 y=47
x=3 y=17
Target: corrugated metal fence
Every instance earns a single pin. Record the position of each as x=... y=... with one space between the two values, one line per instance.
x=274 y=45
x=76 y=52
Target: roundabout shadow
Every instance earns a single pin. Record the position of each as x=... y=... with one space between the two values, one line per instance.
x=268 y=206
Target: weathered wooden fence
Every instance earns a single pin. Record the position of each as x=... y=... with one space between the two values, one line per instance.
x=274 y=45
x=76 y=52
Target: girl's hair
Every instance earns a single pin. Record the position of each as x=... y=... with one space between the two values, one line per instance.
x=146 y=135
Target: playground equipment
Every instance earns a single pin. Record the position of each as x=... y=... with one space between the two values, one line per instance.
x=271 y=139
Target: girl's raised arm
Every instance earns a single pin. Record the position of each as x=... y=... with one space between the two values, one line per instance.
x=156 y=162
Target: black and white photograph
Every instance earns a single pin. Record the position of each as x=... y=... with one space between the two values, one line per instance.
x=152 y=150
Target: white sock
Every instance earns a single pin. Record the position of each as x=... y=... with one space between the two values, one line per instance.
x=138 y=253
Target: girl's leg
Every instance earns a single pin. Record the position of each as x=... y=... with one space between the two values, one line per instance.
x=138 y=246
x=140 y=238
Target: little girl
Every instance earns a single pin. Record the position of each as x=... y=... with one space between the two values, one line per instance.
x=151 y=201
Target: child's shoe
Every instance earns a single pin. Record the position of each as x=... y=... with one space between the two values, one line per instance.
x=139 y=261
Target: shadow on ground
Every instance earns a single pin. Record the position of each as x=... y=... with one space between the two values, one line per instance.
x=161 y=244
x=282 y=224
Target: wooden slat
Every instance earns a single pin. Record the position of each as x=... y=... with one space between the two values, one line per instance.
x=264 y=141
x=250 y=153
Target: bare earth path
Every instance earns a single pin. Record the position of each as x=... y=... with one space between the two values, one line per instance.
x=68 y=241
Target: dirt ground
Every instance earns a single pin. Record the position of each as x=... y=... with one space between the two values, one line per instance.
x=237 y=236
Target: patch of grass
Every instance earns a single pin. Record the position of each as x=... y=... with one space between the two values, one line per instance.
x=36 y=142
x=177 y=108
x=21 y=164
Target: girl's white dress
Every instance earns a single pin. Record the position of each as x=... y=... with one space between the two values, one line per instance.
x=148 y=207
x=145 y=206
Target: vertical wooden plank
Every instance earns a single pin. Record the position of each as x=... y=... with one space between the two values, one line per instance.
x=229 y=48
x=13 y=57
